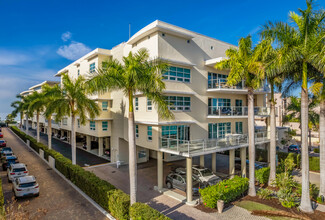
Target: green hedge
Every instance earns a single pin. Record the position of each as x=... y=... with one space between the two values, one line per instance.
x=314 y=163
x=262 y=175
x=227 y=190
x=105 y=194
x=2 y=202
x=140 y=211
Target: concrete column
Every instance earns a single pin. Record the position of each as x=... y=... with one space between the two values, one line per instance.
x=243 y=161
x=160 y=171
x=189 y=184
x=232 y=163
x=100 y=146
x=214 y=162
x=106 y=143
x=202 y=161
x=88 y=142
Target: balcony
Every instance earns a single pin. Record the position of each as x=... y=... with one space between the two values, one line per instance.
x=199 y=147
x=236 y=112
x=220 y=85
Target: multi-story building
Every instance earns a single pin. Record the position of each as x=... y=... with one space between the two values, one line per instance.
x=210 y=116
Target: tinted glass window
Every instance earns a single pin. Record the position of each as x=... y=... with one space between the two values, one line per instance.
x=24 y=185
x=19 y=169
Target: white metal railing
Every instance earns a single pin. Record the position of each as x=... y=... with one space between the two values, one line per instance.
x=201 y=145
x=236 y=111
x=260 y=111
x=222 y=84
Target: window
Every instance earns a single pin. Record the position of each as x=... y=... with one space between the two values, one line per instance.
x=177 y=132
x=92 y=68
x=78 y=122
x=65 y=121
x=104 y=106
x=104 y=125
x=149 y=133
x=149 y=104
x=215 y=105
x=239 y=127
x=136 y=104
x=92 y=125
x=219 y=130
x=78 y=72
x=178 y=103
x=177 y=74
x=136 y=131
x=239 y=103
x=215 y=80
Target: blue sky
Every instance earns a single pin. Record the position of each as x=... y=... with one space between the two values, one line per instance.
x=38 y=38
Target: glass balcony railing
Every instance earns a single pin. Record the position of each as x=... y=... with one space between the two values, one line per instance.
x=198 y=147
x=222 y=84
x=236 y=111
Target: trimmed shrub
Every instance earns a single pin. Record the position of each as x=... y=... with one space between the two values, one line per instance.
x=119 y=204
x=2 y=202
x=265 y=193
x=227 y=190
x=262 y=175
x=140 y=211
x=314 y=163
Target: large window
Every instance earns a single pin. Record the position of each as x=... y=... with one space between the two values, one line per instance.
x=179 y=103
x=216 y=105
x=216 y=79
x=239 y=127
x=149 y=133
x=104 y=105
x=92 y=125
x=92 y=67
x=149 y=104
x=105 y=125
x=180 y=132
x=219 y=130
x=136 y=131
x=136 y=102
x=78 y=121
x=178 y=74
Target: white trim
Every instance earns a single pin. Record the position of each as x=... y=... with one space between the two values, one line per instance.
x=214 y=61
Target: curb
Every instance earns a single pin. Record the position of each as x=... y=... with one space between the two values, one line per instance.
x=103 y=211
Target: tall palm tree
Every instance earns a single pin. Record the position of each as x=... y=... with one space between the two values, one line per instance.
x=136 y=74
x=18 y=108
x=71 y=100
x=22 y=107
x=244 y=65
x=297 y=41
x=36 y=104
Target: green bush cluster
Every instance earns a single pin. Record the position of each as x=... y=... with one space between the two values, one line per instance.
x=314 y=163
x=227 y=190
x=105 y=194
x=2 y=202
x=265 y=193
x=316 y=150
x=140 y=211
x=262 y=175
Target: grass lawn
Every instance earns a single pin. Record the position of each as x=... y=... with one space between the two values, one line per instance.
x=250 y=206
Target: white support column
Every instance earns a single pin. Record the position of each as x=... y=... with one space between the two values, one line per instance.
x=189 y=184
x=160 y=171
x=243 y=161
x=100 y=146
x=232 y=163
x=88 y=143
x=202 y=161
x=214 y=162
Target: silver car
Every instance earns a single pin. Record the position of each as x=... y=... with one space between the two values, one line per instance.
x=178 y=181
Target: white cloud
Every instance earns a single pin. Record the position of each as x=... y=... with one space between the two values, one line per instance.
x=8 y=58
x=73 y=51
x=66 y=36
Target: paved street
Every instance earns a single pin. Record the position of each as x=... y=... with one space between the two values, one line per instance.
x=83 y=157
x=57 y=197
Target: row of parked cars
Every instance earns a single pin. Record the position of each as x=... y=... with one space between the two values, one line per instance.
x=23 y=184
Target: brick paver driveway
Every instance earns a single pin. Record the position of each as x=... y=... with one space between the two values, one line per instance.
x=60 y=199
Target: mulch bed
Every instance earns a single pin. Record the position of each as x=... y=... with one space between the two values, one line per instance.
x=285 y=212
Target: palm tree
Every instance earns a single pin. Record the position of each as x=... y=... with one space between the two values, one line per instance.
x=71 y=100
x=22 y=107
x=245 y=65
x=36 y=104
x=137 y=74
x=297 y=41
x=18 y=108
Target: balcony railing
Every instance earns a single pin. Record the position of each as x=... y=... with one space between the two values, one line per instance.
x=201 y=146
x=222 y=85
x=236 y=111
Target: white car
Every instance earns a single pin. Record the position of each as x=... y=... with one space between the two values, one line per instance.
x=25 y=186
x=206 y=176
x=7 y=153
x=16 y=170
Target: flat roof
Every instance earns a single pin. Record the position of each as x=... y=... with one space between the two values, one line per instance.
x=43 y=83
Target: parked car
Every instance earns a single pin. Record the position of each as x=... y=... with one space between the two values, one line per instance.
x=16 y=170
x=3 y=143
x=7 y=161
x=204 y=175
x=25 y=186
x=258 y=165
x=1 y=135
x=178 y=181
x=5 y=149
x=294 y=148
x=7 y=154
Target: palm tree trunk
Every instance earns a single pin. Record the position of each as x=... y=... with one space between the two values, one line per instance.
x=37 y=127
x=49 y=132
x=309 y=132
x=322 y=147
x=21 y=119
x=305 y=204
x=73 y=139
x=272 y=138
x=132 y=153
x=251 y=143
